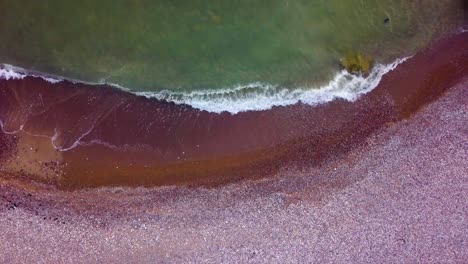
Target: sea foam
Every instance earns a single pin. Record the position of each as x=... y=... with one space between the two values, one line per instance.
x=10 y=72
x=263 y=96
x=255 y=96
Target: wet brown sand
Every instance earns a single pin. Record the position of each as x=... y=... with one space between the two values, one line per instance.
x=113 y=138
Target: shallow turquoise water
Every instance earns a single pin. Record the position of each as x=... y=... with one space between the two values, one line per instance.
x=197 y=45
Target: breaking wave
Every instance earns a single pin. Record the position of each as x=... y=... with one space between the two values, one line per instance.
x=251 y=97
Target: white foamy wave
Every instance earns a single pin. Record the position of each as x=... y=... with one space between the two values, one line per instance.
x=10 y=72
x=262 y=96
x=255 y=96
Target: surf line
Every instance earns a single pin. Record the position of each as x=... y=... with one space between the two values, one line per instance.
x=256 y=96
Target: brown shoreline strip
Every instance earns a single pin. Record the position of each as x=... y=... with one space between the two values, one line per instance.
x=152 y=143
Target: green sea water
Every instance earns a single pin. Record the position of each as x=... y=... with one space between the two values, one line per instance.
x=195 y=45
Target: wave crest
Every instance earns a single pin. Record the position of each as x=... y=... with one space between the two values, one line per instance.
x=255 y=96
x=262 y=96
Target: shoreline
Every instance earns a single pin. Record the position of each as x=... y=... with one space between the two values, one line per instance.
x=398 y=197
x=94 y=173
x=166 y=144
x=256 y=96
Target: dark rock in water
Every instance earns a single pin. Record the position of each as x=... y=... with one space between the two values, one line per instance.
x=386 y=20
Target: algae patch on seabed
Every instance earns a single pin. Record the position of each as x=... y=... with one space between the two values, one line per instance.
x=357 y=63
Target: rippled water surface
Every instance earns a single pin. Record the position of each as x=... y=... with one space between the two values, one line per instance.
x=198 y=45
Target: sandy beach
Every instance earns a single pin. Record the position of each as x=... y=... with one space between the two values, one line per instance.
x=382 y=179
x=400 y=197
